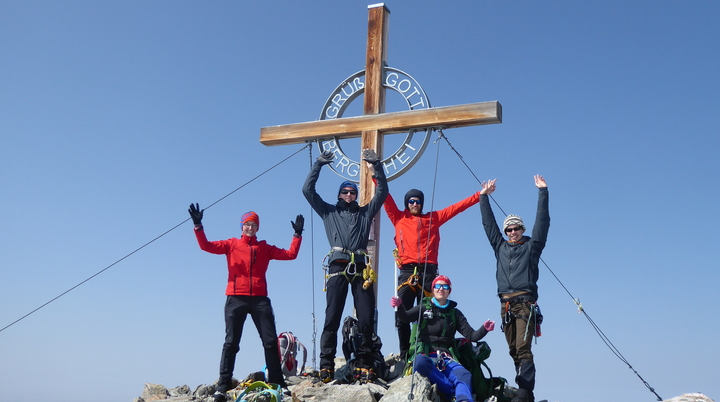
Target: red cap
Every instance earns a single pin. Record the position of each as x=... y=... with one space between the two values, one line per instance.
x=250 y=217
x=441 y=278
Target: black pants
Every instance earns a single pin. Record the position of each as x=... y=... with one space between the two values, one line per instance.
x=409 y=297
x=364 y=301
x=236 y=310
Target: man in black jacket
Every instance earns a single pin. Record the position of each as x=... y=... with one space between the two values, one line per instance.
x=347 y=226
x=517 y=275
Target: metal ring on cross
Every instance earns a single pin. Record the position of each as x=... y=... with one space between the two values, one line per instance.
x=412 y=147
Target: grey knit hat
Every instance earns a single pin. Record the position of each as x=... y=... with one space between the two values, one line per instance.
x=512 y=220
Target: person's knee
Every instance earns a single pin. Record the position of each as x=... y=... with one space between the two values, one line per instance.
x=423 y=365
x=462 y=375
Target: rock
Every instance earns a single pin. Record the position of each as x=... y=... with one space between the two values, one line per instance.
x=332 y=393
x=300 y=388
x=694 y=397
x=422 y=390
x=154 y=392
x=179 y=391
x=205 y=390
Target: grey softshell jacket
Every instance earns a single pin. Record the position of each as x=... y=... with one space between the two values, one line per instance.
x=517 y=263
x=345 y=227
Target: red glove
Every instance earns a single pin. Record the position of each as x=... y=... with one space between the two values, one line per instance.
x=395 y=301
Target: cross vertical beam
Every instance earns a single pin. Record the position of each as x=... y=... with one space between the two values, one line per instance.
x=374 y=103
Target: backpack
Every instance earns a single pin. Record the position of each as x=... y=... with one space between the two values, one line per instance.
x=352 y=340
x=289 y=346
x=472 y=357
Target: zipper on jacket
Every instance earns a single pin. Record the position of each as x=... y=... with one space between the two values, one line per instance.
x=252 y=263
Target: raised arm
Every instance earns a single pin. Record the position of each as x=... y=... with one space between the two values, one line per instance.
x=542 y=216
x=488 y=218
x=316 y=202
x=381 y=191
x=448 y=213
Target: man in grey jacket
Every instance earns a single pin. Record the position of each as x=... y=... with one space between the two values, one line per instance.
x=517 y=275
x=347 y=226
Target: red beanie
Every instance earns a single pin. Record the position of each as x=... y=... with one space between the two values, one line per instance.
x=442 y=278
x=250 y=217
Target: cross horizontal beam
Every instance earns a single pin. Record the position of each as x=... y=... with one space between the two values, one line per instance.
x=472 y=114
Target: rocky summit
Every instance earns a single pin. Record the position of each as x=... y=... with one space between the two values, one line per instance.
x=309 y=388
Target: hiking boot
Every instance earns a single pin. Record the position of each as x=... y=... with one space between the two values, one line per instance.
x=219 y=396
x=364 y=376
x=327 y=375
x=369 y=375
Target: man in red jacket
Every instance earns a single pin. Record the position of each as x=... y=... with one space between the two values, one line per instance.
x=246 y=292
x=417 y=238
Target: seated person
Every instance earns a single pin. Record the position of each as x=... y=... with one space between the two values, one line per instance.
x=435 y=347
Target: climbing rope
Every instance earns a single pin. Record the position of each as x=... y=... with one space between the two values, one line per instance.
x=427 y=250
x=148 y=243
x=581 y=309
x=312 y=273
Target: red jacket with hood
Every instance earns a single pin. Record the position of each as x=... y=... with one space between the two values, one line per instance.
x=248 y=260
x=411 y=231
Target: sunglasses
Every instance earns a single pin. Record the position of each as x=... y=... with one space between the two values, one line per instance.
x=517 y=229
x=413 y=202
x=442 y=286
x=345 y=192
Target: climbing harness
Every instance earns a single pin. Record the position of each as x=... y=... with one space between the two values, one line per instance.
x=534 y=313
x=413 y=282
x=350 y=272
x=442 y=359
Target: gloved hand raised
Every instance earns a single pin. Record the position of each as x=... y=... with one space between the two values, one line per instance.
x=489 y=325
x=196 y=213
x=325 y=158
x=395 y=301
x=298 y=224
x=368 y=155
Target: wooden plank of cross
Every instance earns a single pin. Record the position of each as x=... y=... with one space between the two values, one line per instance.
x=375 y=123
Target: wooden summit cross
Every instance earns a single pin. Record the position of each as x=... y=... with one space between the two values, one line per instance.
x=375 y=123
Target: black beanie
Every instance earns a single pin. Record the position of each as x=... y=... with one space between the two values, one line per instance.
x=415 y=193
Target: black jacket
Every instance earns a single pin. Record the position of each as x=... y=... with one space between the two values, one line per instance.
x=437 y=329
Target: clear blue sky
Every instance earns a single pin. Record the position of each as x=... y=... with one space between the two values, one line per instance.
x=114 y=116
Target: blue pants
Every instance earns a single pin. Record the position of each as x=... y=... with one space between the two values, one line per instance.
x=453 y=379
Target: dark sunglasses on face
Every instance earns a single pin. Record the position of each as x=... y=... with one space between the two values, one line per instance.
x=517 y=229
x=442 y=286
x=413 y=202
x=345 y=192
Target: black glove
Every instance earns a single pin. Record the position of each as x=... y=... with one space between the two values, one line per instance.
x=298 y=225
x=196 y=213
x=325 y=158
x=368 y=155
